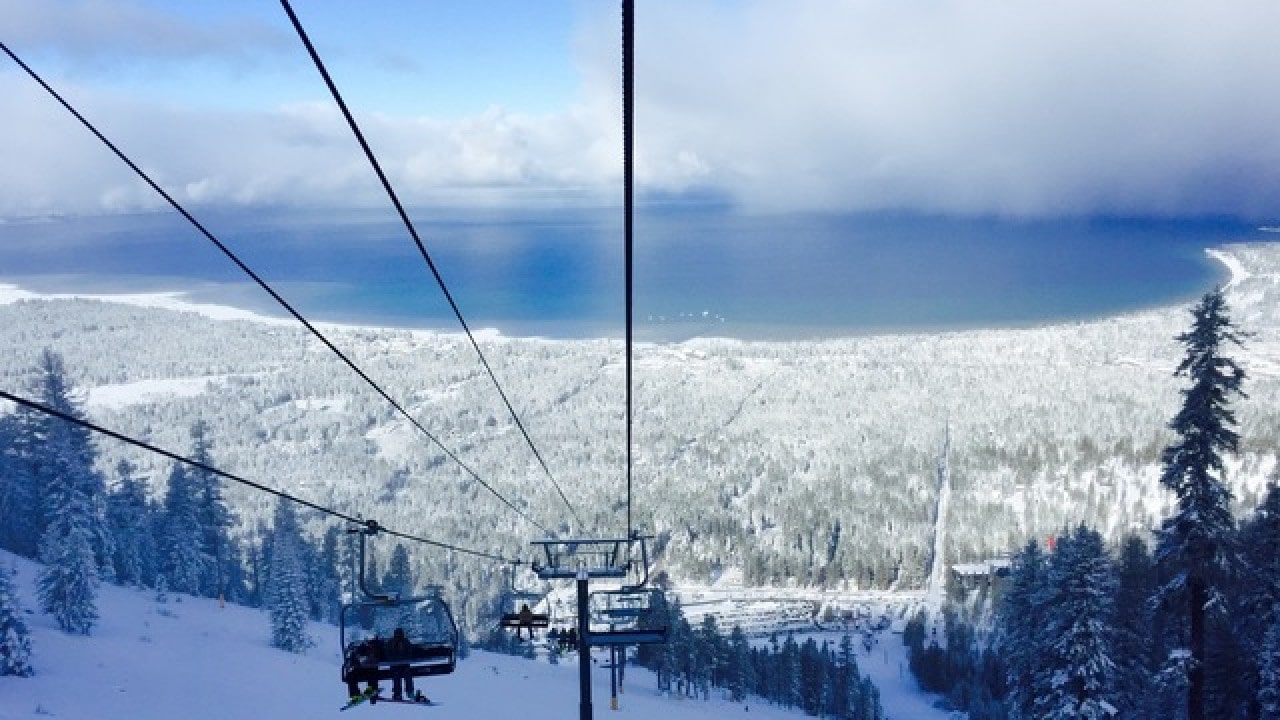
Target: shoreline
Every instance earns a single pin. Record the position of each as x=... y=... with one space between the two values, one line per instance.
x=179 y=301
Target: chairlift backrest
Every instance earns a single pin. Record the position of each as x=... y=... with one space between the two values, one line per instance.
x=628 y=608
x=597 y=557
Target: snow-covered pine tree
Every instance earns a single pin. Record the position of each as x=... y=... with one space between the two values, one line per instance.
x=74 y=543
x=706 y=641
x=68 y=584
x=182 y=560
x=1195 y=546
x=15 y=642
x=1256 y=598
x=738 y=671
x=789 y=672
x=237 y=587
x=871 y=707
x=398 y=580
x=1020 y=633
x=130 y=517
x=813 y=677
x=21 y=507
x=255 y=565
x=1079 y=631
x=64 y=460
x=212 y=516
x=1134 y=643
x=325 y=579
x=846 y=681
x=663 y=659
x=286 y=597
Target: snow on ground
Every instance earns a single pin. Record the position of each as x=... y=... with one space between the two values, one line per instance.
x=1234 y=266
x=189 y=658
x=900 y=695
x=163 y=300
x=143 y=391
x=886 y=664
x=937 y=587
x=12 y=293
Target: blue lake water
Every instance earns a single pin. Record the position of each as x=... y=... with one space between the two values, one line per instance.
x=698 y=271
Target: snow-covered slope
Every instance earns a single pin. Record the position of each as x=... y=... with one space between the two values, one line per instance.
x=189 y=658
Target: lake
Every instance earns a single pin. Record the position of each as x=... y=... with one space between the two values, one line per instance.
x=698 y=270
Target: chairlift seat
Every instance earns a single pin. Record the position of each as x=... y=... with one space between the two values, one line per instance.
x=536 y=620
x=624 y=613
x=654 y=636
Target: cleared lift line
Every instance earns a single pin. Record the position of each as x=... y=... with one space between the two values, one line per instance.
x=353 y=519
x=271 y=291
x=422 y=249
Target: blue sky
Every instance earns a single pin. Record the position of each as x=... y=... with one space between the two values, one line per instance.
x=961 y=107
x=448 y=58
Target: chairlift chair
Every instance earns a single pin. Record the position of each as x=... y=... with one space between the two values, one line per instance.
x=429 y=627
x=517 y=607
x=628 y=616
x=631 y=615
x=427 y=622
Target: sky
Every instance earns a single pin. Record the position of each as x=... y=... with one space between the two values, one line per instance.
x=954 y=107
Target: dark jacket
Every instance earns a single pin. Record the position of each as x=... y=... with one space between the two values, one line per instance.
x=399 y=647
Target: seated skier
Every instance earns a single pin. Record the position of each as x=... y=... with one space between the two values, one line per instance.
x=400 y=648
x=361 y=662
x=526 y=621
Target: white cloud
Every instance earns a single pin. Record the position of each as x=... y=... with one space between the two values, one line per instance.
x=977 y=107
x=965 y=106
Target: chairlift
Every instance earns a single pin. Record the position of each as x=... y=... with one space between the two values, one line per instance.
x=517 y=607
x=366 y=627
x=631 y=615
x=428 y=626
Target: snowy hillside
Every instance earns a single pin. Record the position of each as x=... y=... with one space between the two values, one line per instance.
x=811 y=464
x=189 y=658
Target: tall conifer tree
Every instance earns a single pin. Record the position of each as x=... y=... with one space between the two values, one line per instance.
x=287 y=597
x=1079 y=634
x=75 y=544
x=739 y=671
x=212 y=516
x=182 y=560
x=22 y=510
x=63 y=464
x=1021 y=630
x=1256 y=605
x=1195 y=546
x=68 y=584
x=130 y=517
x=1134 y=642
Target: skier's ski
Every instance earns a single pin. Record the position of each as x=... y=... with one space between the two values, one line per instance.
x=362 y=698
x=420 y=699
x=374 y=699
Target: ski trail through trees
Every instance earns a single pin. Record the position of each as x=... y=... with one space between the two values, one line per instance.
x=937 y=562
